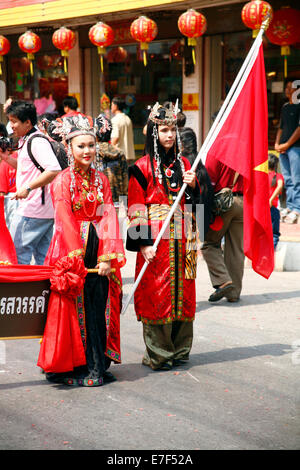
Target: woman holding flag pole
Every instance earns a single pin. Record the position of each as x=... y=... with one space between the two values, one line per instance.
x=165 y=299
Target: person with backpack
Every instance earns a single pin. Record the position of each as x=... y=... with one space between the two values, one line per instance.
x=37 y=165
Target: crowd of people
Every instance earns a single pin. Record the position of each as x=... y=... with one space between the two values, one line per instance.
x=63 y=177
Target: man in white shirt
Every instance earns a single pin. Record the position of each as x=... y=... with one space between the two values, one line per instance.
x=122 y=131
x=32 y=226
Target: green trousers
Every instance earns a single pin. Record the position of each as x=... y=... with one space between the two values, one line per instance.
x=167 y=343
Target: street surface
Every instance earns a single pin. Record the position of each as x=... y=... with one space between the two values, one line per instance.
x=240 y=390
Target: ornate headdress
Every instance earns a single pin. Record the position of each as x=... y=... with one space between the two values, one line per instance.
x=170 y=114
x=72 y=126
x=67 y=128
x=169 y=119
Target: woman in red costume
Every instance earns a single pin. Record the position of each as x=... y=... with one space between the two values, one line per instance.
x=86 y=228
x=165 y=297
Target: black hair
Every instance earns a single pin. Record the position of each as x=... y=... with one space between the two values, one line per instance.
x=49 y=116
x=181 y=120
x=189 y=150
x=273 y=165
x=119 y=102
x=71 y=102
x=289 y=79
x=3 y=130
x=23 y=110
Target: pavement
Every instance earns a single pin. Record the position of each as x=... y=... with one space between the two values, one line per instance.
x=287 y=256
x=239 y=391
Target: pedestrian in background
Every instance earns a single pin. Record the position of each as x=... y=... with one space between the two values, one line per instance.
x=276 y=183
x=288 y=144
x=225 y=265
x=7 y=179
x=111 y=159
x=122 y=130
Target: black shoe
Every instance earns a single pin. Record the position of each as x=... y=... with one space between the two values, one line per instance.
x=165 y=367
x=221 y=292
x=179 y=362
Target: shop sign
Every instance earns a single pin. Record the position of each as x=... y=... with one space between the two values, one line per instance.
x=122 y=35
x=190 y=102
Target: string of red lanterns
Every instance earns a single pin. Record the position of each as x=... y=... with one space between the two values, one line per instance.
x=283 y=30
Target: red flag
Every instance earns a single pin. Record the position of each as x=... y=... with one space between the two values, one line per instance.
x=242 y=144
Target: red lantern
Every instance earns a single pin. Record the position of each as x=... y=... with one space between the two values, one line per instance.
x=64 y=39
x=102 y=36
x=254 y=13
x=193 y=25
x=4 y=49
x=117 y=55
x=284 y=30
x=144 y=31
x=30 y=43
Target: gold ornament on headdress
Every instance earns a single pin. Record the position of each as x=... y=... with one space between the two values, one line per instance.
x=170 y=115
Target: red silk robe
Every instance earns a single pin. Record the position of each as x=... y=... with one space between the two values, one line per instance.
x=164 y=293
x=72 y=220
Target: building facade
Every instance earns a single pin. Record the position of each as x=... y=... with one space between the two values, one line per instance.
x=169 y=74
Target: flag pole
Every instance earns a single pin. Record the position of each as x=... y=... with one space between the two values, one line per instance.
x=215 y=129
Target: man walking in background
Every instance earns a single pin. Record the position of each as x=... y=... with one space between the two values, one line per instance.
x=288 y=144
x=122 y=131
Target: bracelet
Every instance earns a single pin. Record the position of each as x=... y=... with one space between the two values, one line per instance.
x=28 y=189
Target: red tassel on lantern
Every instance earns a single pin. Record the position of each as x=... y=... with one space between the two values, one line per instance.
x=64 y=39
x=192 y=24
x=144 y=31
x=284 y=31
x=254 y=13
x=102 y=36
x=30 y=43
